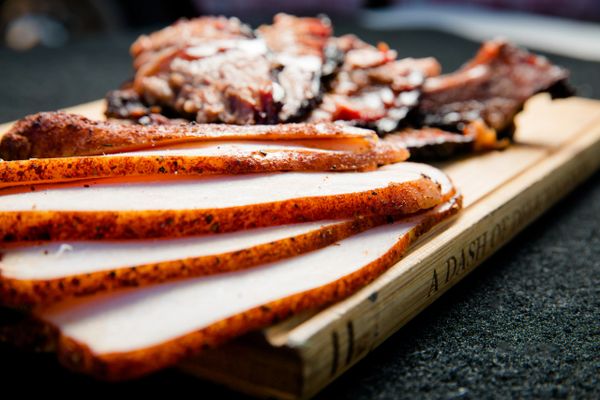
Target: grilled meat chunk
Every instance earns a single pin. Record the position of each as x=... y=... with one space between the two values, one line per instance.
x=372 y=88
x=215 y=69
x=431 y=143
x=492 y=87
x=127 y=104
x=219 y=70
x=298 y=53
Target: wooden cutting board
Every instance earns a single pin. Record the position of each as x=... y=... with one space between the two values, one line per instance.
x=558 y=147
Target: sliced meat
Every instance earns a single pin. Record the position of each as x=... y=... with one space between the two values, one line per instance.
x=181 y=206
x=186 y=33
x=58 y=134
x=432 y=143
x=367 y=86
x=214 y=69
x=207 y=158
x=47 y=273
x=492 y=87
x=298 y=52
x=133 y=332
x=373 y=89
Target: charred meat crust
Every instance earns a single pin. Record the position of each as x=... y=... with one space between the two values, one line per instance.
x=127 y=104
x=431 y=143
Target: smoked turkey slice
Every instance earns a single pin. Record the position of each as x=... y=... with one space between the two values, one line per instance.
x=58 y=134
x=174 y=206
x=132 y=332
x=45 y=273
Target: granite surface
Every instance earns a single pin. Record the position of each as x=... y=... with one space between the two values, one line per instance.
x=526 y=323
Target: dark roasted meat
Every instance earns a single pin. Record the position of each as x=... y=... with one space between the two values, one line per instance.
x=372 y=88
x=432 y=143
x=215 y=69
x=127 y=104
x=297 y=49
x=492 y=87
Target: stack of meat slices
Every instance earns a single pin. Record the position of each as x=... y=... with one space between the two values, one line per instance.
x=131 y=247
x=215 y=69
x=68 y=147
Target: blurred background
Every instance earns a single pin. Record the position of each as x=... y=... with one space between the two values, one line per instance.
x=546 y=24
x=57 y=53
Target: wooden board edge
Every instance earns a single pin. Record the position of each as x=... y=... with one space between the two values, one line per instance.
x=276 y=371
x=494 y=221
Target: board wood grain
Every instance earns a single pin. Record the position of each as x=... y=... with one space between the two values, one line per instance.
x=557 y=147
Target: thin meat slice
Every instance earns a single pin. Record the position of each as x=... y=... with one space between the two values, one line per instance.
x=129 y=333
x=47 y=273
x=436 y=144
x=492 y=88
x=208 y=158
x=58 y=134
x=182 y=206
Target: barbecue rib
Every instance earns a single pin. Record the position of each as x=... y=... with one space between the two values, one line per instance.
x=431 y=143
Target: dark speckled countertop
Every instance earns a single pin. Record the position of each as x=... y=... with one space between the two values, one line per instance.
x=526 y=323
